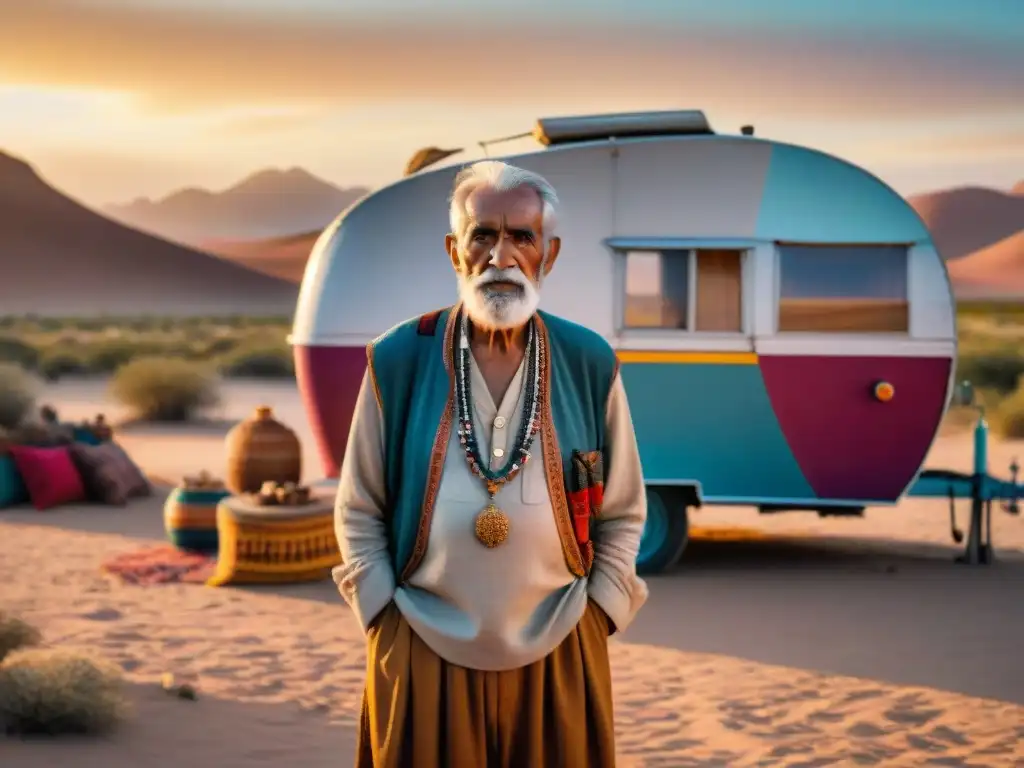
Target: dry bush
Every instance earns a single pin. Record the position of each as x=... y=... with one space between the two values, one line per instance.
x=15 y=634
x=1009 y=415
x=57 y=363
x=17 y=394
x=998 y=368
x=18 y=351
x=163 y=389
x=259 y=361
x=46 y=691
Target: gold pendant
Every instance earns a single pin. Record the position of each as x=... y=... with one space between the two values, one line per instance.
x=492 y=526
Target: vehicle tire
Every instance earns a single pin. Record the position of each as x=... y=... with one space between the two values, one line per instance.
x=666 y=531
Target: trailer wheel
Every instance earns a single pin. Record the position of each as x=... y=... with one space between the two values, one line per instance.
x=666 y=531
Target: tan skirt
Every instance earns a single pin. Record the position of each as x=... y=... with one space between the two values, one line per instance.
x=419 y=711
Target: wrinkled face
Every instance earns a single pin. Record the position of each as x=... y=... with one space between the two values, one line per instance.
x=499 y=256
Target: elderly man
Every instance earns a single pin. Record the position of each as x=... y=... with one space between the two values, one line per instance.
x=490 y=508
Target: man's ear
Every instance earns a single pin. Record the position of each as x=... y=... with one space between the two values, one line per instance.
x=554 y=246
x=451 y=244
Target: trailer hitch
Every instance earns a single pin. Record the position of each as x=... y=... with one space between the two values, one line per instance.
x=978 y=487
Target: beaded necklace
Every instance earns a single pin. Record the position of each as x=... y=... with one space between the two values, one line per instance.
x=492 y=524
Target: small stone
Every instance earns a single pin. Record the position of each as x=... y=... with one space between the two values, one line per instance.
x=186 y=691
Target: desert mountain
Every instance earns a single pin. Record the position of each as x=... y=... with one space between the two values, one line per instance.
x=993 y=272
x=283 y=257
x=967 y=219
x=270 y=203
x=60 y=259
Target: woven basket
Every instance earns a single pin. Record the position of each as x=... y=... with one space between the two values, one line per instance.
x=261 y=449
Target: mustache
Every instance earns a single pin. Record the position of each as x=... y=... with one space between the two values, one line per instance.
x=495 y=275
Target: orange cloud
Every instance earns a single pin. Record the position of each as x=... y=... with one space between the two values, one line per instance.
x=183 y=61
x=269 y=123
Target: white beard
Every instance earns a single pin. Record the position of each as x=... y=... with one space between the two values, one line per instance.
x=494 y=310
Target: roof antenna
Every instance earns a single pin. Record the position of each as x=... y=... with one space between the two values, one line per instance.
x=485 y=144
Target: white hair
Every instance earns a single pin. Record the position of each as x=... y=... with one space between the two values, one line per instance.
x=501 y=177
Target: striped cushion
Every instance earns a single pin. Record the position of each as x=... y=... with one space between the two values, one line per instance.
x=109 y=475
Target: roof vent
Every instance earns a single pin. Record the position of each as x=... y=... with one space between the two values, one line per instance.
x=747 y=130
x=550 y=131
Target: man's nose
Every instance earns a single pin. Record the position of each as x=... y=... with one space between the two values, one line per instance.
x=503 y=255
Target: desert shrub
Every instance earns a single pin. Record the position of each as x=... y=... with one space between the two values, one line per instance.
x=13 y=350
x=205 y=349
x=998 y=369
x=15 y=634
x=47 y=691
x=17 y=394
x=57 y=362
x=163 y=389
x=1009 y=415
x=262 y=362
x=108 y=356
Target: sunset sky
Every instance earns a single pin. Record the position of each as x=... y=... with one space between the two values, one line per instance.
x=113 y=99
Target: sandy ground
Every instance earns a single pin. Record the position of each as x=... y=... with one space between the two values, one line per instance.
x=806 y=643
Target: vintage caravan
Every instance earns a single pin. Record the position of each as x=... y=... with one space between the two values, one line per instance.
x=785 y=327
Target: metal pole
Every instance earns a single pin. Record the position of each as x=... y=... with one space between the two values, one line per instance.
x=978 y=551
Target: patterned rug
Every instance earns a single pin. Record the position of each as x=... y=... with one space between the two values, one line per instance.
x=160 y=565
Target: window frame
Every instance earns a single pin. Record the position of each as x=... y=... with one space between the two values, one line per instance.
x=621 y=248
x=777 y=247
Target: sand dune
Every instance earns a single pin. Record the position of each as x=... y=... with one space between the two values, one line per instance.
x=966 y=219
x=61 y=259
x=993 y=271
x=269 y=203
x=283 y=257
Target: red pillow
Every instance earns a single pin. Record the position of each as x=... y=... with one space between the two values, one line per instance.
x=49 y=474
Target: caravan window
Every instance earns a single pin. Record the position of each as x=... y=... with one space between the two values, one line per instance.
x=836 y=288
x=694 y=290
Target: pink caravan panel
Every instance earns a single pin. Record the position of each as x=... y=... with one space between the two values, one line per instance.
x=329 y=378
x=850 y=445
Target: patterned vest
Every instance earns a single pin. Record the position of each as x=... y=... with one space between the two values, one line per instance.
x=413 y=375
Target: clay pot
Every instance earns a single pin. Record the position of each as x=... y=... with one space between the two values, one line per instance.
x=259 y=450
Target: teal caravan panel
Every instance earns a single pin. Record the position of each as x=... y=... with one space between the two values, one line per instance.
x=814 y=198
x=712 y=423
